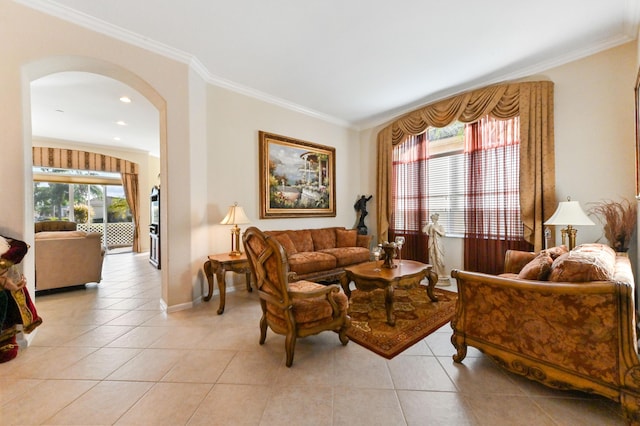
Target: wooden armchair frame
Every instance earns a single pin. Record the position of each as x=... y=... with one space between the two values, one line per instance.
x=284 y=309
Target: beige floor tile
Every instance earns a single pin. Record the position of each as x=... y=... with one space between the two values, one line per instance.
x=181 y=337
x=241 y=405
x=149 y=365
x=13 y=390
x=99 y=336
x=97 y=365
x=44 y=401
x=199 y=366
x=51 y=334
x=479 y=376
x=422 y=408
x=507 y=410
x=313 y=364
x=590 y=411
x=419 y=373
x=360 y=368
x=50 y=363
x=420 y=348
x=366 y=407
x=139 y=337
x=252 y=368
x=104 y=404
x=133 y=318
x=299 y=405
x=166 y=404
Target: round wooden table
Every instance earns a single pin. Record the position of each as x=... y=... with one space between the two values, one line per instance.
x=370 y=276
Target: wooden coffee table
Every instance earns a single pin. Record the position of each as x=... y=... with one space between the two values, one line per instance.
x=371 y=276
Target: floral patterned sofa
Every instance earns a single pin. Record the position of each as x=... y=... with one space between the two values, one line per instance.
x=321 y=254
x=565 y=319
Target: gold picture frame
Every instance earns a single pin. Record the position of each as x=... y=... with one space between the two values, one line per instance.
x=297 y=178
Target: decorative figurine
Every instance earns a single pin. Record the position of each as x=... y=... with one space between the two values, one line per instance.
x=361 y=208
x=436 y=249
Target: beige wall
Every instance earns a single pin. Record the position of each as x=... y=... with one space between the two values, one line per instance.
x=594 y=134
x=234 y=121
x=41 y=45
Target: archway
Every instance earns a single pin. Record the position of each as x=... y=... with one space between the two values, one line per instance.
x=52 y=65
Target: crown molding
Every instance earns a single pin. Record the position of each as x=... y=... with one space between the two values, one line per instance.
x=97 y=25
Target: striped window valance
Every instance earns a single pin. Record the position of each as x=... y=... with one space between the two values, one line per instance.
x=81 y=160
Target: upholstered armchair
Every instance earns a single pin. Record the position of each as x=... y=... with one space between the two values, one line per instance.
x=296 y=309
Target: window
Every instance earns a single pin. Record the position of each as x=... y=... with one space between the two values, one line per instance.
x=439 y=170
x=94 y=200
x=432 y=175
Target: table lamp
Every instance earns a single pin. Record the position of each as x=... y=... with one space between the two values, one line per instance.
x=234 y=217
x=569 y=213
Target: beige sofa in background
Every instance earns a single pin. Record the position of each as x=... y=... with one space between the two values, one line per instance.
x=67 y=258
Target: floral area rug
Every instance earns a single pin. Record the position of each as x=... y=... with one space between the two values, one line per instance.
x=416 y=317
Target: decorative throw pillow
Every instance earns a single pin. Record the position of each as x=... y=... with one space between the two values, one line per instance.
x=556 y=252
x=582 y=267
x=287 y=244
x=538 y=269
x=346 y=237
x=301 y=239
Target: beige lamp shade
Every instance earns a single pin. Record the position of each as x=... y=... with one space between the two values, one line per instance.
x=235 y=216
x=569 y=213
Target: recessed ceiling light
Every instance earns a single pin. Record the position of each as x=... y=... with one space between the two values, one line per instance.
x=116 y=138
x=125 y=99
x=121 y=123
x=59 y=110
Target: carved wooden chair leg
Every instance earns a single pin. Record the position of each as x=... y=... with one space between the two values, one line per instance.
x=263 y=329
x=461 y=347
x=342 y=334
x=290 y=346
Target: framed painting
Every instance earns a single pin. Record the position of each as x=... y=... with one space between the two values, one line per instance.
x=297 y=178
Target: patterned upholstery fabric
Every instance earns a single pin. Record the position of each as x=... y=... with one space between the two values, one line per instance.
x=321 y=254
x=287 y=243
x=576 y=333
x=308 y=313
x=538 y=269
x=323 y=238
x=584 y=263
x=311 y=261
x=346 y=238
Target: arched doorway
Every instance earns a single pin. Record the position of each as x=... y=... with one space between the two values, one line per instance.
x=89 y=66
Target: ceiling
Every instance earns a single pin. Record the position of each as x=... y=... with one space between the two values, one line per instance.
x=357 y=63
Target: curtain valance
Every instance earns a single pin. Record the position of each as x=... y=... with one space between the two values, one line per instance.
x=532 y=101
x=80 y=160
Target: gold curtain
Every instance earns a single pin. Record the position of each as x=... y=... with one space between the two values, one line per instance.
x=83 y=160
x=533 y=101
x=130 y=185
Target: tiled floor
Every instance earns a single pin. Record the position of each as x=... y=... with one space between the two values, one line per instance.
x=108 y=355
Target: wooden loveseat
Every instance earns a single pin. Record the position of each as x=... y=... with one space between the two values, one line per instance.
x=322 y=254
x=569 y=323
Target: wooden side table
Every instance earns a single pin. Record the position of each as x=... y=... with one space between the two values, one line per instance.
x=219 y=264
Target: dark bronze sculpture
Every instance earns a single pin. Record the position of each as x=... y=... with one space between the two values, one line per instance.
x=361 y=208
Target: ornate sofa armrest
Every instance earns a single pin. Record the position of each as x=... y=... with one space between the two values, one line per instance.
x=514 y=260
